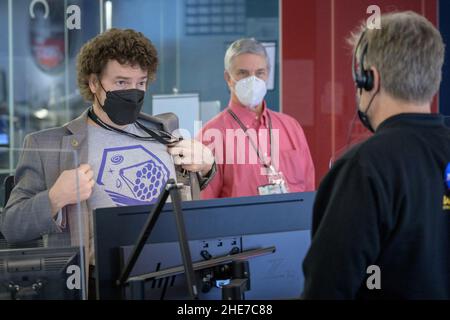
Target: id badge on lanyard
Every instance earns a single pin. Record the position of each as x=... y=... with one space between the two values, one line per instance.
x=277 y=184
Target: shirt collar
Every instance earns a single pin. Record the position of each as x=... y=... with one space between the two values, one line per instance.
x=412 y=119
x=247 y=116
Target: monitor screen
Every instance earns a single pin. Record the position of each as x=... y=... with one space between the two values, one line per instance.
x=38 y=274
x=4 y=139
x=219 y=227
x=4 y=130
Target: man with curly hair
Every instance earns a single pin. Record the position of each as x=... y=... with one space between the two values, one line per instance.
x=123 y=156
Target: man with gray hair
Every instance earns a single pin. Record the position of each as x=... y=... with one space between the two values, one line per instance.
x=381 y=219
x=257 y=150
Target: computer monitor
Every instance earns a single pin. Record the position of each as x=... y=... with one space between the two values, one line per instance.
x=38 y=274
x=219 y=227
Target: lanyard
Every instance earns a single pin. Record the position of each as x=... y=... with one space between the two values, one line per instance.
x=158 y=135
x=239 y=122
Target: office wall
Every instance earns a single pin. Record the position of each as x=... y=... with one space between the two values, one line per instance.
x=316 y=78
x=194 y=62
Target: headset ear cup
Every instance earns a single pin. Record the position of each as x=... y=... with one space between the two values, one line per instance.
x=361 y=80
x=368 y=80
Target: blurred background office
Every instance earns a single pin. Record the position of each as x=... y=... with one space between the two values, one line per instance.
x=311 y=78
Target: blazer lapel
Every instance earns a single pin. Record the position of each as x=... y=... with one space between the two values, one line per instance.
x=74 y=143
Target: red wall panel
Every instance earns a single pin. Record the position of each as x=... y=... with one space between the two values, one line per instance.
x=317 y=87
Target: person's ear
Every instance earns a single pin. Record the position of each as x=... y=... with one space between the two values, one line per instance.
x=228 y=80
x=376 y=79
x=93 y=83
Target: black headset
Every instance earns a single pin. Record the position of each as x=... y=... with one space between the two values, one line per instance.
x=363 y=78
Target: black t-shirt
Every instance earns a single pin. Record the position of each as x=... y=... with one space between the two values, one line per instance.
x=383 y=204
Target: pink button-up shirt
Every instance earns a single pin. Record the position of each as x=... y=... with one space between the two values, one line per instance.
x=239 y=172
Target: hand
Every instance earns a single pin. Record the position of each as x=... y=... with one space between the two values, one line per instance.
x=65 y=190
x=192 y=155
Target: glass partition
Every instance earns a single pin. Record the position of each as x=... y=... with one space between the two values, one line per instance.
x=43 y=254
x=38 y=51
x=42 y=39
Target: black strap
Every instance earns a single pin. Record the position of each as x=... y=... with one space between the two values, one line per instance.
x=244 y=128
x=154 y=135
x=162 y=136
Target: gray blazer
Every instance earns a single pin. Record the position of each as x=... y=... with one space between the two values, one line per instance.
x=27 y=213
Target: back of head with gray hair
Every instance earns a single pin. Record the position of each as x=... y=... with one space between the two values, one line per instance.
x=241 y=46
x=408 y=52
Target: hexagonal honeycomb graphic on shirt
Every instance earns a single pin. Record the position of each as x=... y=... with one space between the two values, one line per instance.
x=132 y=175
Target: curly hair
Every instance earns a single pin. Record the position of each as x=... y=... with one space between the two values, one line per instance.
x=125 y=46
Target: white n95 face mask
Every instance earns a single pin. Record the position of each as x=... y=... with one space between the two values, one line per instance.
x=250 y=91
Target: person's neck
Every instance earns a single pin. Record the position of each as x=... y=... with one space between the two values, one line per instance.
x=104 y=117
x=391 y=107
x=258 y=110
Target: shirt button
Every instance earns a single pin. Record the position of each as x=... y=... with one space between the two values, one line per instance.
x=75 y=143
